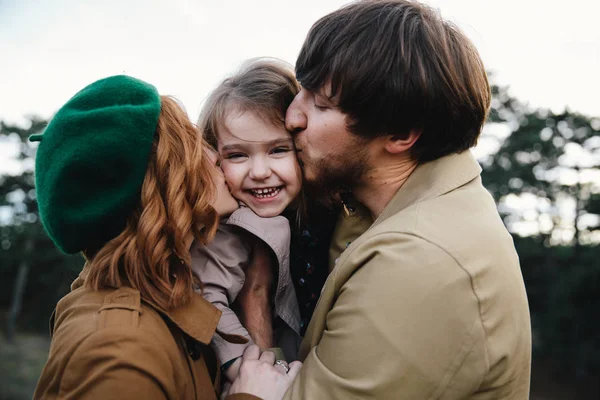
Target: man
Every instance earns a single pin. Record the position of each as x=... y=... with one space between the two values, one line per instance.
x=428 y=303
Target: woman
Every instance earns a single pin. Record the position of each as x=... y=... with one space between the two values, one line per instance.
x=123 y=177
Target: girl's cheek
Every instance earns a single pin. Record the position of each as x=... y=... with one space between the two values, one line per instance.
x=233 y=176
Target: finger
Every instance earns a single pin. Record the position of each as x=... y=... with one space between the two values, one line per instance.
x=251 y=353
x=294 y=369
x=268 y=357
x=282 y=366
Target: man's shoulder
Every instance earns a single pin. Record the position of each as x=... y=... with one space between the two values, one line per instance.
x=458 y=235
x=464 y=222
x=395 y=253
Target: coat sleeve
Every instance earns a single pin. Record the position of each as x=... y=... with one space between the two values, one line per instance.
x=220 y=267
x=405 y=325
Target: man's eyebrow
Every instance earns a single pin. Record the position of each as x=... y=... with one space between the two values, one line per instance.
x=322 y=96
x=270 y=143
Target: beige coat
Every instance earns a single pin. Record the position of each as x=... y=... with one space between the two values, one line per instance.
x=111 y=344
x=429 y=303
x=221 y=267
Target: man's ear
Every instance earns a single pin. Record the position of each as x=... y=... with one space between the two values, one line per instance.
x=401 y=143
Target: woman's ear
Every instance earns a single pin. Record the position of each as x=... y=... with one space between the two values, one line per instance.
x=401 y=143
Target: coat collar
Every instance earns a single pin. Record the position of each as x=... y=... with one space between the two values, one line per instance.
x=198 y=319
x=431 y=180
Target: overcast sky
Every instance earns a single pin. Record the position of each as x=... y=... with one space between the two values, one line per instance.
x=547 y=51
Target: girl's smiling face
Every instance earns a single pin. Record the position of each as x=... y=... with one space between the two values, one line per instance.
x=259 y=162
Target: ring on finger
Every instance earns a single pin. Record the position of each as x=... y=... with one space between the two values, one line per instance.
x=283 y=364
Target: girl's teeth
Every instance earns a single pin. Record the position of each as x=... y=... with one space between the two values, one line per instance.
x=262 y=193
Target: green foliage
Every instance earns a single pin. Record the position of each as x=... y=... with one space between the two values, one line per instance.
x=553 y=161
x=23 y=241
x=563 y=298
x=554 y=158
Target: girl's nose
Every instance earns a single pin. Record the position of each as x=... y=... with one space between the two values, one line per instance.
x=260 y=170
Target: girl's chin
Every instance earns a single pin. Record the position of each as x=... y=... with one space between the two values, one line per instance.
x=267 y=212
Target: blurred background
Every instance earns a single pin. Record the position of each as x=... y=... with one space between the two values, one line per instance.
x=540 y=149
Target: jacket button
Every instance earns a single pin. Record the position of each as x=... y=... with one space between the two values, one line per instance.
x=194 y=352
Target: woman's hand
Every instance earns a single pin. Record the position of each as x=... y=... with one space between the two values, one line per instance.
x=259 y=377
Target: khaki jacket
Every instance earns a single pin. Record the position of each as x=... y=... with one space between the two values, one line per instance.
x=221 y=265
x=429 y=303
x=111 y=344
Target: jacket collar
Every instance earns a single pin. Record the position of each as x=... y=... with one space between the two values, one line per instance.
x=198 y=319
x=431 y=180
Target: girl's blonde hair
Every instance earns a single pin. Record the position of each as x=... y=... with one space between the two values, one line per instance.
x=152 y=254
x=265 y=86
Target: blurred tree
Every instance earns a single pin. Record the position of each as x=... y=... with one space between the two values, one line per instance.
x=34 y=273
x=545 y=178
x=553 y=161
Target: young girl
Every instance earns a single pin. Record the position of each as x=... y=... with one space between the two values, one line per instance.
x=243 y=119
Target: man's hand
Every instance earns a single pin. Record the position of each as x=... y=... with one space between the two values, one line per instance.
x=253 y=300
x=260 y=378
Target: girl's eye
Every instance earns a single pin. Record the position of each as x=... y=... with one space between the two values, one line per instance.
x=280 y=150
x=234 y=156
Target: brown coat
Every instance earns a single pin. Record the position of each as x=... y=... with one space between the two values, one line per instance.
x=111 y=344
x=428 y=303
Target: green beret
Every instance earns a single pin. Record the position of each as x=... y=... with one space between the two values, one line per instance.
x=92 y=159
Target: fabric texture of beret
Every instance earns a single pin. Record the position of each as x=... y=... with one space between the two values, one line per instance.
x=92 y=160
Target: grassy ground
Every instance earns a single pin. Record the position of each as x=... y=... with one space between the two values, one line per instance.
x=21 y=363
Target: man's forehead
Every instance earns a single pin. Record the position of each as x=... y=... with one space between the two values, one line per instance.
x=324 y=90
x=325 y=94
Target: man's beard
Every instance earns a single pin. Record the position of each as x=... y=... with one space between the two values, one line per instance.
x=332 y=179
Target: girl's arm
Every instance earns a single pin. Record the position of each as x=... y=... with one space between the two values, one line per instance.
x=254 y=303
x=254 y=298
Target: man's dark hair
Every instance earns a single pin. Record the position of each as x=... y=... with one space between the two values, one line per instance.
x=395 y=66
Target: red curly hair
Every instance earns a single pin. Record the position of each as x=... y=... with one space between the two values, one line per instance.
x=152 y=254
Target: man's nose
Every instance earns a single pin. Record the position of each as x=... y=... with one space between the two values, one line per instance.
x=295 y=118
x=260 y=170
